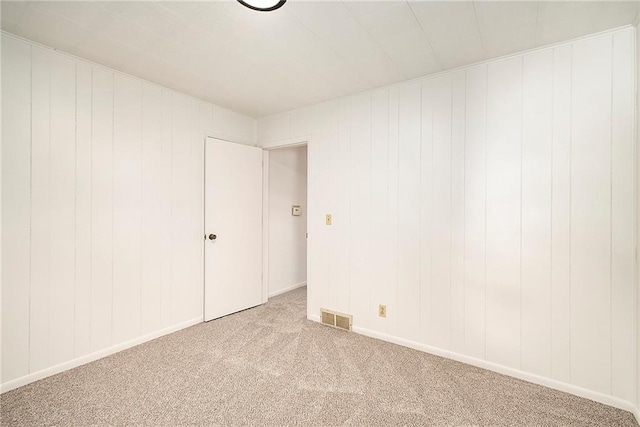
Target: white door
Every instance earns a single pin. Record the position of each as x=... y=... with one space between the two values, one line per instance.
x=233 y=226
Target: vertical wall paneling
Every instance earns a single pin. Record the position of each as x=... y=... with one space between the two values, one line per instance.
x=62 y=179
x=196 y=230
x=458 y=190
x=40 y=209
x=516 y=176
x=315 y=236
x=221 y=121
x=591 y=214
x=504 y=158
x=537 y=87
x=245 y=127
x=474 y=211
x=166 y=206
x=265 y=225
x=379 y=212
x=179 y=207
x=409 y=99
x=127 y=207
x=151 y=220
x=16 y=207
x=342 y=214
x=101 y=208
x=560 y=216
x=622 y=218
x=233 y=126
x=82 y=342
x=323 y=183
x=186 y=233
x=206 y=119
x=90 y=156
x=193 y=111
x=361 y=235
x=426 y=209
x=507 y=193
x=441 y=217
x=393 y=307
x=301 y=122
x=637 y=165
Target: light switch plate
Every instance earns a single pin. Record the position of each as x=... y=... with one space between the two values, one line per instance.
x=328 y=219
x=296 y=211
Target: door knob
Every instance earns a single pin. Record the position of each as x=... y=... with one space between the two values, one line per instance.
x=212 y=237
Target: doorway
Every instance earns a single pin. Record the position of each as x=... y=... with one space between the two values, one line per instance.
x=286 y=225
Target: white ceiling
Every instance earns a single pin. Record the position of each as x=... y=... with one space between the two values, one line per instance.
x=307 y=51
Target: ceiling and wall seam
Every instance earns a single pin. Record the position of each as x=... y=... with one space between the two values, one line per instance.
x=4 y=33
x=210 y=50
x=464 y=67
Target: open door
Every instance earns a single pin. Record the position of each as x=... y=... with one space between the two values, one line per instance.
x=233 y=226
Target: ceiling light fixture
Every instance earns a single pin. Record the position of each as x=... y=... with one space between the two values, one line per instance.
x=263 y=5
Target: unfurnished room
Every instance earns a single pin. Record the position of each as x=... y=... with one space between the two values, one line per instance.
x=320 y=213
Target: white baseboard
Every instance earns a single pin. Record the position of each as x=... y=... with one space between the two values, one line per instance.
x=290 y=288
x=82 y=360
x=516 y=373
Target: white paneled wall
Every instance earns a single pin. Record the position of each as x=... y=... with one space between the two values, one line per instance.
x=102 y=208
x=637 y=225
x=491 y=209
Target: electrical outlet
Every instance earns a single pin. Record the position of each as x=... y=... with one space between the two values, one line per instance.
x=328 y=219
x=382 y=310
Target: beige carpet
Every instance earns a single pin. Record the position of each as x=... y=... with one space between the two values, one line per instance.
x=270 y=366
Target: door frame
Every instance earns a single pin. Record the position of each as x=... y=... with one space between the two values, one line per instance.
x=290 y=143
x=265 y=208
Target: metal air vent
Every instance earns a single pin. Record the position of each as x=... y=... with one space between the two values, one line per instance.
x=336 y=320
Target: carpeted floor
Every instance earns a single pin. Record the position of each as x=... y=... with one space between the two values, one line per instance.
x=270 y=366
